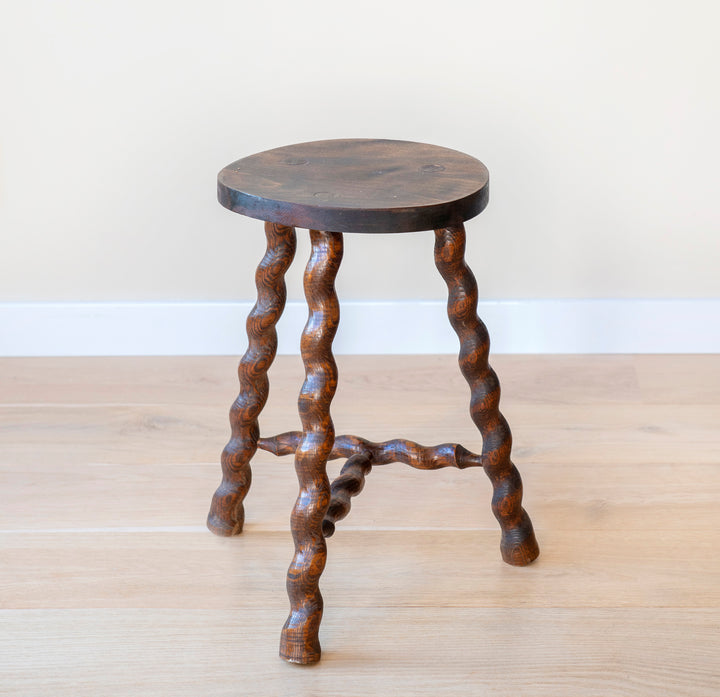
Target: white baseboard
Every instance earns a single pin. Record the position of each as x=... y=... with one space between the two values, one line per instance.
x=368 y=327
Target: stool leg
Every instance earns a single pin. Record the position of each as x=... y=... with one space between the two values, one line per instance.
x=226 y=510
x=518 y=544
x=299 y=641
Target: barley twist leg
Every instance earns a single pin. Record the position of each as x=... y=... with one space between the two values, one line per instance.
x=349 y=483
x=227 y=515
x=299 y=641
x=518 y=544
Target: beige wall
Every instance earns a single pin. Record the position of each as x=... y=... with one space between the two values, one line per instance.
x=598 y=121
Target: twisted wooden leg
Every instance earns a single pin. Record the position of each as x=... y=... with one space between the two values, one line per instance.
x=226 y=511
x=349 y=483
x=518 y=544
x=299 y=642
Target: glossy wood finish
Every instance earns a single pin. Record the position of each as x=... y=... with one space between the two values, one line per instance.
x=518 y=544
x=299 y=641
x=357 y=185
x=226 y=510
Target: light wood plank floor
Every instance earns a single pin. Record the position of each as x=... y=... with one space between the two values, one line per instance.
x=111 y=585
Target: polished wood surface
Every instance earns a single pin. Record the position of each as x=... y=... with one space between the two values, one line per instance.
x=357 y=185
x=112 y=585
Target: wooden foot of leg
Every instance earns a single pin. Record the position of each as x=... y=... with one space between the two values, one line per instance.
x=226 y=511
x=299 y=641
x=518 y=544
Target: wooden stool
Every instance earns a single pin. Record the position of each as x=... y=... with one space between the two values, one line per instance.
x=372 y=186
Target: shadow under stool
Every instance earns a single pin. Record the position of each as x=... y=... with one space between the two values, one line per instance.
x=365 y=186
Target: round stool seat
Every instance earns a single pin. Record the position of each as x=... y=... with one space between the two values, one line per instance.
x=357 y=185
